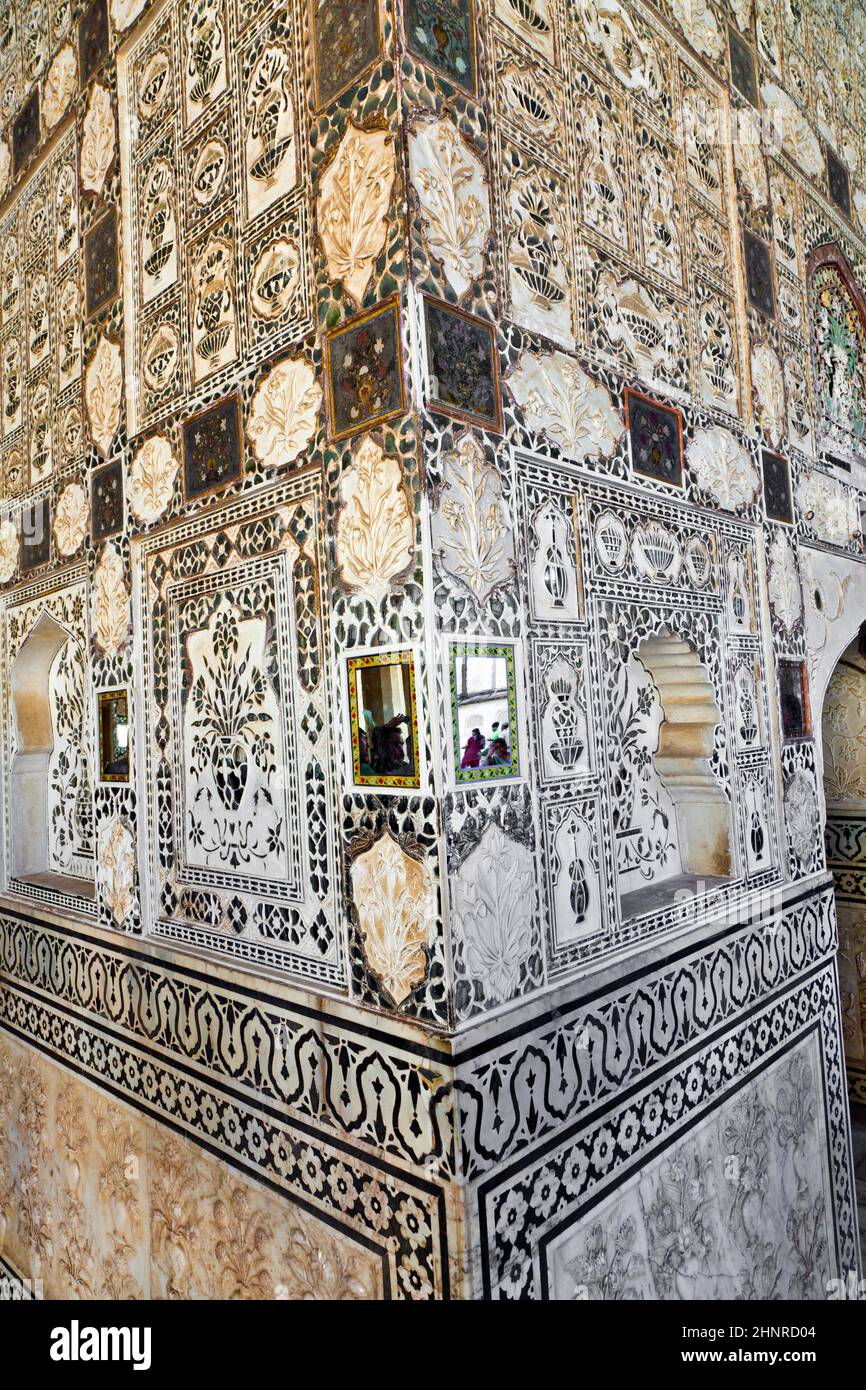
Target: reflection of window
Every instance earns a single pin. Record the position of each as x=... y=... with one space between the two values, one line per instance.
x=384 y=720
x=113 y=736
x=794 y=700
x=484 y=711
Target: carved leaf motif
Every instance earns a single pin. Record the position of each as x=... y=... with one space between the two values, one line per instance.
x=559 y=399
x=375 y=531
x=109 y=604
x=494 y=896
x=123 y=12
x=831 y=510
x=749 y=159
x=801 y=817
x=784 y=584
x=792 y=131
x=471 y=535
x=97 y=141
x=285 y=413
x=319 y=1266
x=70 y=519
x=8 y=550
x=59 y=86
x=102 y=391
x=151 y=479
x=723 y=467
x=116 y=869
x=394 y=898
x=699 y=25
x=353 y=204
x=769 y=389
x=450 y=183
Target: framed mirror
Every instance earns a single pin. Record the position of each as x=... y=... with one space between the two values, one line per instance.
x=484 y=711
x=113 y=736
x=383 y=717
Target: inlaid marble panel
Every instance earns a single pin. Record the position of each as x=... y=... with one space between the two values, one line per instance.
x=236 y=715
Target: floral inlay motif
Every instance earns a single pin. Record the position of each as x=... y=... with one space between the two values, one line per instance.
x=493 y=907
x=109 y=603
x=375 y=529
x=151 y=479
x=450 y=182
x=354 y=196
x=395 y=904
x=285 y=413
x=70 y=519
x=471 y=536
x=116 y=869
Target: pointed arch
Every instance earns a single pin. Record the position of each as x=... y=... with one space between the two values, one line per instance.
x=40 y=825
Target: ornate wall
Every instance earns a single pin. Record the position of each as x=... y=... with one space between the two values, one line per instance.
x=442 y=420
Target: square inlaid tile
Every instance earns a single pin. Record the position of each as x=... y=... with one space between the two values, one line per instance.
x=347 y=42
x=25 y=132
x=106 y=500
x=101 y=279
x=655 y=435
x=742 y=67
x=212 y=451
x=442 y=33
x=759 y=274
x=92 y=39
x=838 y=182
x=794 y=701
x=777 y=487
x=364 y=370
x=36 y=535
x=463 y=365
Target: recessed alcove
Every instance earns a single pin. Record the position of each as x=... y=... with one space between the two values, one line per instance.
x=34 y=860
x=682 y=762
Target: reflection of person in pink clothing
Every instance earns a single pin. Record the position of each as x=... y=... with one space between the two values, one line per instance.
x=472 y=751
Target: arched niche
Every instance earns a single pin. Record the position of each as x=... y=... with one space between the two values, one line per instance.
x=685 y=748
x=837 y=329
x=675 y=834
x=843 y=746
x=33 y=824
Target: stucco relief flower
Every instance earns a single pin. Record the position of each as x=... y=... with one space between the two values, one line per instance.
x=722 y=467
x=494 y=895
x=70 y=519
x=5 y=166
x=559 y=399
x=123 y=12
x=768 y=386
x=59 y=86
x=354 y=194
x=285 y=413
x=375 y=529
x=110 y=603
x=103 y=384
x=394 y=900
x=783 y=587
x=97 y=140
x=801 y=817
x=8 y=550
x=450 y=183
x=116 y=869
x=151 y=479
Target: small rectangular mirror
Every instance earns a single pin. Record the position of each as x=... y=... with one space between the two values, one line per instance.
x=113 y=736
x=384 y=720
x=484 y=711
